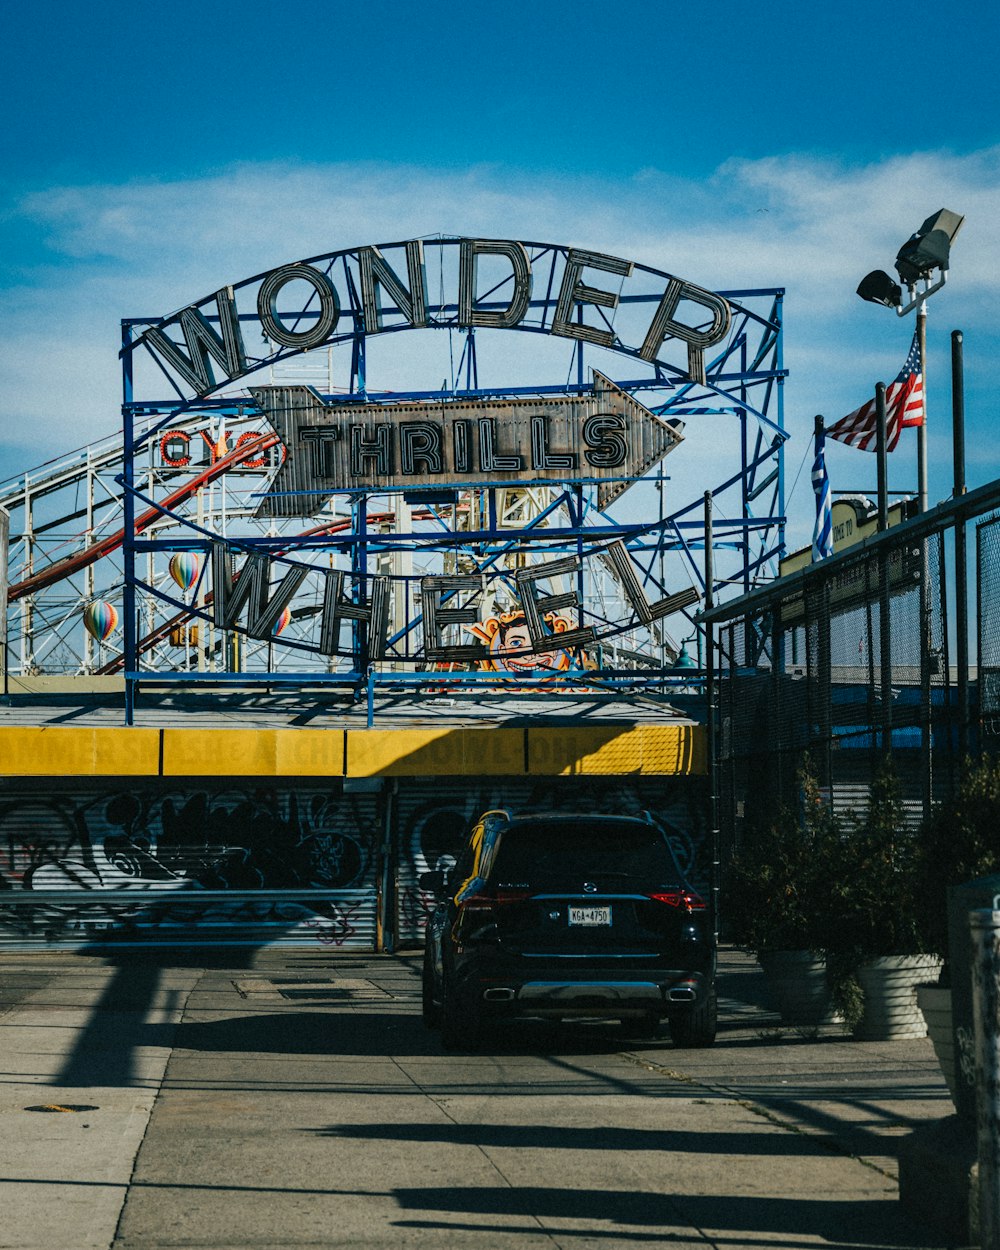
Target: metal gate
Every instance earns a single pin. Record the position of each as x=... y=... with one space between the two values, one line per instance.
x=140 y=865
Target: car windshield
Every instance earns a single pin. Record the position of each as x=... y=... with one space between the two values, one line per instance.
x=610 y=850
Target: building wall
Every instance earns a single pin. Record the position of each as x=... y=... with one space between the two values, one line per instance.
x=91 y=855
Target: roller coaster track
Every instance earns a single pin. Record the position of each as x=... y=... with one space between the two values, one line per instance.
x=166 y=628
x=71 y=564
x=103 y=461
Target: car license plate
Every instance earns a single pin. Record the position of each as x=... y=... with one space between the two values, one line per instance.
x=590 y=915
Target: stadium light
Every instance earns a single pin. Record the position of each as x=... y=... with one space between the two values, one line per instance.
x=926 y=250
x=925 y=253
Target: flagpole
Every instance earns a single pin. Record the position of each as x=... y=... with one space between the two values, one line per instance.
x=883 y=458
x=922 y=427
x=961 y=545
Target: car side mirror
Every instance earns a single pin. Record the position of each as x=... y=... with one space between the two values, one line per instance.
x=432 y=882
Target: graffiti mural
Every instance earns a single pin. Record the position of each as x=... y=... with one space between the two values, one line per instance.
x=173 y=851
x=166 y=847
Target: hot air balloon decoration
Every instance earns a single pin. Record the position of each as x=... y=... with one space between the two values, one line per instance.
x=100 y=619
x=281 y=622
x=184 y=568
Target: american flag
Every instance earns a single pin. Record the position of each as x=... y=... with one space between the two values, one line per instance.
x=904 y=405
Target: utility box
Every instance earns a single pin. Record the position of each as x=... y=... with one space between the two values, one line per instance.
x=982 y=894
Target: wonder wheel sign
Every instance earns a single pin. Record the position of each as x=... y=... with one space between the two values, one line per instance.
x=443 y=456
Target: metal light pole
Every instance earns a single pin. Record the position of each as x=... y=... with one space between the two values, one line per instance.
x=922 y=427
x=927 y=252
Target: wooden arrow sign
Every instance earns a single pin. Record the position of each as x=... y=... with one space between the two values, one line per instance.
x=603 y=435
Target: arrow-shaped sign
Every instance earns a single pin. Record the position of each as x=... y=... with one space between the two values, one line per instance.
x=604 y=435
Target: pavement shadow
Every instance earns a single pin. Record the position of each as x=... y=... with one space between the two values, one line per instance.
x=350 y=1032
x=634 y=1215
x=104 y=1053
x=545 y=1137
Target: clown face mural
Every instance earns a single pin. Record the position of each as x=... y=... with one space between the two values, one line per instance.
x=506 y=635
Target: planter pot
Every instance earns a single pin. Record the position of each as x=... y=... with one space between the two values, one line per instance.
x=797 y=988
x=934 y=1002
x=890 y=989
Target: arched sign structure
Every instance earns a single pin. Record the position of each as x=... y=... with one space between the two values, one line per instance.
x=399 y=522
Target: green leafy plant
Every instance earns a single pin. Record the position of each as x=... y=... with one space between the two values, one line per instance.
x=846 y=990
x=872 y=905
x=862 y=885
x=771 y=891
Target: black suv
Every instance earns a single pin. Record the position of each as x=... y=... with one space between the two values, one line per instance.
x=559 y=916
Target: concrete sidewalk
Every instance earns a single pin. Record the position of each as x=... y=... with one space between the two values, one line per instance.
x=293 y=1098
x=78 y=1089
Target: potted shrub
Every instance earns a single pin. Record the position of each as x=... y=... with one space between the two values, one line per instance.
x=770 y=899
x=871 y=922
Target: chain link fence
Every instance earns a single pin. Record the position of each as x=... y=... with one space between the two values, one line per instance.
x=854 y=657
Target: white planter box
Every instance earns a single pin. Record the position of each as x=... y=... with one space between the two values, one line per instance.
x=890 y=989
x=797 y=988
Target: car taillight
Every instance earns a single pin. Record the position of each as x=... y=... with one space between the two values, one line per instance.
x=476 y=905
x=477 y=914
x=483 y=904
x=686 y=900
x=512 y=896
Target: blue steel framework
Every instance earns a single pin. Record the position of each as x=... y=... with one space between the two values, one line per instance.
x=744 y=376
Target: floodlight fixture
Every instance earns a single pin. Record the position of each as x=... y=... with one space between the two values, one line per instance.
x=926 y=251
x=929 y=248
x=878 y=288
x=944 y=219
x=921 y=255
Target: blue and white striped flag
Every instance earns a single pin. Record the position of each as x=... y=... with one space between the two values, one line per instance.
x=823 y=532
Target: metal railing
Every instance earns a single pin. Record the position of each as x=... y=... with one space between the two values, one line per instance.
x=856 y=656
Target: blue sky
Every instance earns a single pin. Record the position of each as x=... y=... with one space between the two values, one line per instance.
x=154 y=153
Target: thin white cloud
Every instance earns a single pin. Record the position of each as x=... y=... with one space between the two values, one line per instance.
x=812 y=226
